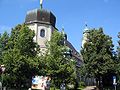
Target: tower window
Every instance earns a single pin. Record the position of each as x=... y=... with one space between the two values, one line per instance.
x=42 y=33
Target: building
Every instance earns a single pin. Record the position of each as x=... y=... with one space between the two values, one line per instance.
x=85 y=34
x=43 y=23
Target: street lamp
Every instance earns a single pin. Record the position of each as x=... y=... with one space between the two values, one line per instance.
x=2 y=67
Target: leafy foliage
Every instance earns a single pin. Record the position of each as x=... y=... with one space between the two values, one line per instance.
x=59 y=66
x=20 y=57
x=98 y=54
x=22 y=39
x=3 y=43
x=118 y=58
x=118 y=48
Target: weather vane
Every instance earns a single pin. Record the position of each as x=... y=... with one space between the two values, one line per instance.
x=41 y=1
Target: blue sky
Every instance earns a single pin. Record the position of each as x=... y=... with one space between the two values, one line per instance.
x=70 y=14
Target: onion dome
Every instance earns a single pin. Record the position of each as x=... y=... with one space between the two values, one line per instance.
x=40 y=16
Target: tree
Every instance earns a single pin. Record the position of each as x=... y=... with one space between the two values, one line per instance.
x=58 y=66
x=118 y=58
x=21 y=57
x=98 y=54
x=3 y=43
x=22 y=38
x=118 y=48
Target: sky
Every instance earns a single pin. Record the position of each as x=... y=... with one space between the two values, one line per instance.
x=70 y=14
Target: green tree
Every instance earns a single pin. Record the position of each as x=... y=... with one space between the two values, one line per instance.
x=118 y=58
x=22 y=38
x=118 y=48
x=59 y=66
x=98 y=54
x=21 y=57
x=3 y=43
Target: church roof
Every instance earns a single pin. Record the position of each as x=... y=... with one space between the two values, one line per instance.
x=40 y=16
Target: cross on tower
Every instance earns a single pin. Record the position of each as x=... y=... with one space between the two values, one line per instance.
x=41 y=1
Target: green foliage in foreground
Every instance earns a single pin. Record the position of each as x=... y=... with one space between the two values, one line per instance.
x=118 y=48
x=118 y=58
x=59 y=66
x=98 y=54
x=19 y=55
x=3 y=43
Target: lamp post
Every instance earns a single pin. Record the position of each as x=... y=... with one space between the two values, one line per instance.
x=2 y=67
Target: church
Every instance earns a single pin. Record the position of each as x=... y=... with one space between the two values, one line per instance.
x=43 y=23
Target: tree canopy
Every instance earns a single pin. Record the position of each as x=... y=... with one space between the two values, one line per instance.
x=22 y=59
x=3 y=43
x=58 y=65
x=118 y=48
x=20 y=56
x=98 y=53
x=118 y=58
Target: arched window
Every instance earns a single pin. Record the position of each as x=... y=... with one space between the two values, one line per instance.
x=42 y=33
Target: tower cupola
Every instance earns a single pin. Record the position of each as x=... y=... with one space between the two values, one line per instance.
x=85 y=35
x=40 y=16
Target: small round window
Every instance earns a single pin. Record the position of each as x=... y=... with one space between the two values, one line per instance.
x=42 y=33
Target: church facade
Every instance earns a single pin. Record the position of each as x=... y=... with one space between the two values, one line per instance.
x=43 y=23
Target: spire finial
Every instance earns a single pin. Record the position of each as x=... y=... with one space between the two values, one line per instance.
x=86 y=27
x=63 y=32
x=41 y=1
x=86 y=24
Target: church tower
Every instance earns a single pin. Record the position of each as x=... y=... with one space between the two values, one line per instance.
x=42 y=22
x=85 y=34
